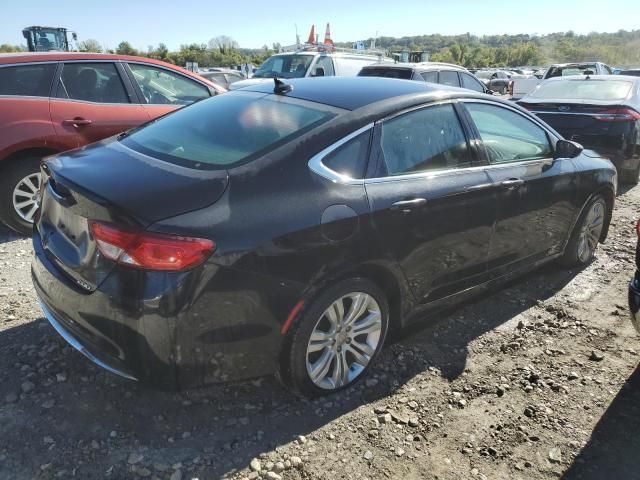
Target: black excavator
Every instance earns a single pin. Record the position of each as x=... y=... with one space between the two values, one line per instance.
x=45 y=39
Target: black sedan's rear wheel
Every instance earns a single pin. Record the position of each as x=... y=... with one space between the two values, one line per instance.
x=336 y=339
x=586 y=234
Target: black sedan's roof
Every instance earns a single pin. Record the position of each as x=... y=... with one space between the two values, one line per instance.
x=350 y=93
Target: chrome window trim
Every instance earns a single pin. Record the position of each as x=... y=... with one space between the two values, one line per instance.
x=129 y=104
x=316 y=165
x=427 y=175
x=25 y=97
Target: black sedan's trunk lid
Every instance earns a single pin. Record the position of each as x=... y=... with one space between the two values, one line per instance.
x=108 y=182
x=574 y=120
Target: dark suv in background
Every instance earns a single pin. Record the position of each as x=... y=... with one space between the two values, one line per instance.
x=57 y=101
x=432 y=72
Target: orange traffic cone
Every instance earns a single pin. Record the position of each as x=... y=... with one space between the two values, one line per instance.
x=327 y=37
x=312 y=35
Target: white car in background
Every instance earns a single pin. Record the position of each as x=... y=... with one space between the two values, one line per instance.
x=524 y=86
x=310 y=64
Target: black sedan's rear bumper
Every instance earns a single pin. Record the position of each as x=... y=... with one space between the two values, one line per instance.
x=112 y=333
x=170 y=330
x=634 y=301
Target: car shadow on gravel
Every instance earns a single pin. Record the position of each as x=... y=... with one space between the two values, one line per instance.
x=613 y=451
x=8 y=235
x=95 y=420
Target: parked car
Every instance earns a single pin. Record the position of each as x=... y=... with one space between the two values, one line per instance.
x=222 y=76
x=52 y=102
x=495 y=80
x=310 y=63
x=540 y=73
x=599 y=112
x=634 y=287
x=433 y=72
x=523 y=86
x=287 y=228
x=633 y=72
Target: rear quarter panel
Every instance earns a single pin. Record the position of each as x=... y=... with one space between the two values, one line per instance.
x=25 y=122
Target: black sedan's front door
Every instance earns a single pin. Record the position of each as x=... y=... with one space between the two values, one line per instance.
x=535 y=193
x=431 y=206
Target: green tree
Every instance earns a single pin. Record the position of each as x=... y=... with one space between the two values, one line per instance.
x=223 y=43
x=125 y=48
x=6 y=48
x=90 y=45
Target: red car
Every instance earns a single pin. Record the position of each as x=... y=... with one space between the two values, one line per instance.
x=52 y=102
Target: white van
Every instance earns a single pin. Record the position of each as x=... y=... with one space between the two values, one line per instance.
x=310 y=64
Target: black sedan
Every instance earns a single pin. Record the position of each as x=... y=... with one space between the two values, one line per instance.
x=289 y=227
x=601 y=112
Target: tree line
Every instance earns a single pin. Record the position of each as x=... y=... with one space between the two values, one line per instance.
x=621 y=48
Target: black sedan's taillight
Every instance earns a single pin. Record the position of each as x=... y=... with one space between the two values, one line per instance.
x=150 y=251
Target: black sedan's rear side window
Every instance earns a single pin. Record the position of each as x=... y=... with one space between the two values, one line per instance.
x=228 y=129
x=430 y=138
x=33 y=80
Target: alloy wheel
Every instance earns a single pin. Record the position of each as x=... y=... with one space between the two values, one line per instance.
x=590 y=231
x=26 y=197
x=344 y=340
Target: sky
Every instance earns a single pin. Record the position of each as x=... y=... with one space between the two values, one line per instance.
x=254 y=23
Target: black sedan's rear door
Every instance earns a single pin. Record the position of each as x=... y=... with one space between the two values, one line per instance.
x=432 y=207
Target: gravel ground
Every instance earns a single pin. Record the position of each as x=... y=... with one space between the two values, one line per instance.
x=537 y=381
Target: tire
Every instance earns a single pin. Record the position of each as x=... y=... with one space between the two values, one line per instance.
x=333 y=340
x=13 y=177
x=585 y=236
x=629 y=176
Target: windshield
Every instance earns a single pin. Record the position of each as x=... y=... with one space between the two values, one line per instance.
x=572 y=70
x=583 y=90
x=227 y=129
x=46 y=40
x=284 y=66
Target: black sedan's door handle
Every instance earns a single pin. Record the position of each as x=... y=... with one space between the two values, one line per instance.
x=512 y=183
x=409 y=204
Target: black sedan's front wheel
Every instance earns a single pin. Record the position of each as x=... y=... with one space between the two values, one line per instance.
x=586 y=234
x=336 y=339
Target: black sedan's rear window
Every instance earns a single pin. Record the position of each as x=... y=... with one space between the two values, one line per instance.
x=227 y=130
x=603 y=90
x=402 y=73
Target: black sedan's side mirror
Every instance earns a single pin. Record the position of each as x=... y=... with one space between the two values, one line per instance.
x=489 y=91
x=567 y=149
